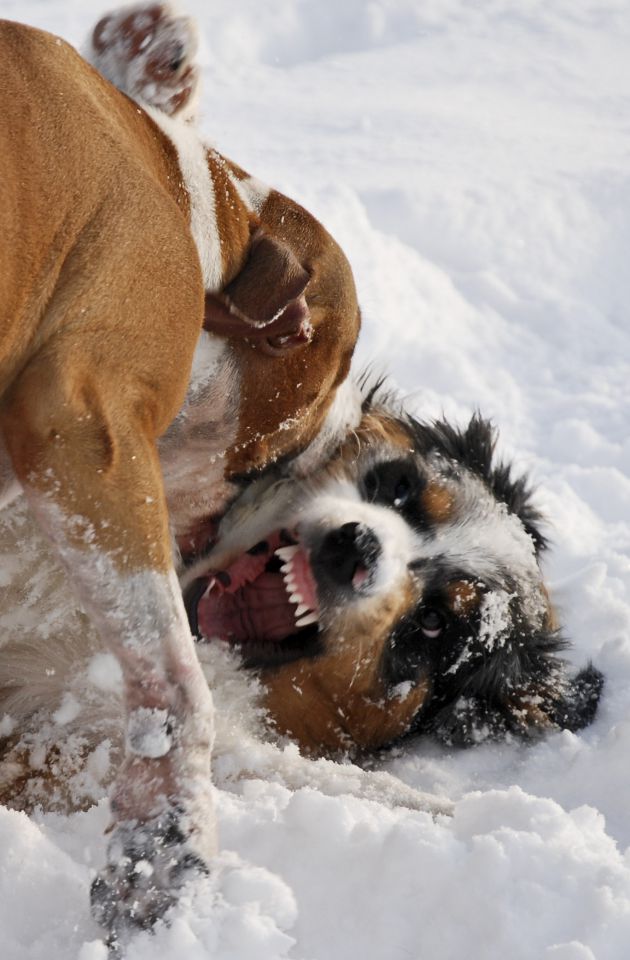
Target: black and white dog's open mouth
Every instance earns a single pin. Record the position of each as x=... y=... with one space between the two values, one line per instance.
x=265 y=602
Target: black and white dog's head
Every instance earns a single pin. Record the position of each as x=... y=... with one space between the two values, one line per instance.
x=403 y=593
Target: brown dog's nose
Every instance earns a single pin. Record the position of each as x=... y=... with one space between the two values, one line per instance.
x=348 y=554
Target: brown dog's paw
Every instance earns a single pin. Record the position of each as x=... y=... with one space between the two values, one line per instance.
x=147 y=866
x=148 y=53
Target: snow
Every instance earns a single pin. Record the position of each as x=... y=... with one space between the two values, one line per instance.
x=473 y=161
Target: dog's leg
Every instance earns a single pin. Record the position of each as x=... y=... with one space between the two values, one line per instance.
x=93 y=481
x=148 y=53
x=80 y=425
x=113 y=538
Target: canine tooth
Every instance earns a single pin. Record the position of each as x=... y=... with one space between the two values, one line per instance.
x=304 y=621
x=211 y=585
x=302 y=608
x=287 y=553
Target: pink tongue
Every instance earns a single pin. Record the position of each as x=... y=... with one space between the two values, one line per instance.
x=255 y=611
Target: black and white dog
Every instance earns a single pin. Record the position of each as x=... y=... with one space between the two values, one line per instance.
x=398 y=590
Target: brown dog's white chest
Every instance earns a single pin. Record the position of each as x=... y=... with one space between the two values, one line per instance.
x=193 y=451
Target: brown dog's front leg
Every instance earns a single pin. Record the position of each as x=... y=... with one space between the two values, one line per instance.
x=91 y=475
x=163 y=818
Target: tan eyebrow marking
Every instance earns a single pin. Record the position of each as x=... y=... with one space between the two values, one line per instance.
x=381 y=426
x=437 y=502
x=463 y=597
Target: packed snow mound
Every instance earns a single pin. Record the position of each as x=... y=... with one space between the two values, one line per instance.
x=472 y=160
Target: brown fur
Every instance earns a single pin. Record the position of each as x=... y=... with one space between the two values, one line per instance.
x=464 y=598
x=338 y=701
x=101 y=307
x=437 y=502
x=280 y=406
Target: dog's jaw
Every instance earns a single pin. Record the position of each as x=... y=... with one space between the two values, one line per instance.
x=193 y=449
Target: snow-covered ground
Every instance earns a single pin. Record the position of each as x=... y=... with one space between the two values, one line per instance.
x=473 y=160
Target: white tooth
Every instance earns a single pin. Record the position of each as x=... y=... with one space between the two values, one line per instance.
x=286 y=567
x=208 y=589
x=286 y=553
x=302 y=608
x=296 y=597
x=309 y=618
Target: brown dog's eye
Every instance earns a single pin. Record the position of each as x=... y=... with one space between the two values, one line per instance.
x=432 y=622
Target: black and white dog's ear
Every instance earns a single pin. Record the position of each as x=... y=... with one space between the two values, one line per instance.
x=577 y=706
x=555 y=703
x=478 y=446
x=468 y=721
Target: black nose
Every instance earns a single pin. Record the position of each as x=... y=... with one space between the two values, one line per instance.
x=348 y=554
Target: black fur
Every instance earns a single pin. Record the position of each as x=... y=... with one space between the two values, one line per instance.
x=473 y=448
x=520 y=686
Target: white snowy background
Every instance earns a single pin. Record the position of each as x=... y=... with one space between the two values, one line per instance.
x=474 y=161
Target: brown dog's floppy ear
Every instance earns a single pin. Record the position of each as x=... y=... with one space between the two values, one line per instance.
x=264 y=302
x=271 y=278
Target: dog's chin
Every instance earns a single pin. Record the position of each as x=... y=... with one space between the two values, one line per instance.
x=265 y=604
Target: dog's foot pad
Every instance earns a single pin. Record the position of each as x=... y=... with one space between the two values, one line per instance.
x=148 y=53
x=147 y=867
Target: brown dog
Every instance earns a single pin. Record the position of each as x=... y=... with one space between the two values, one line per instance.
x=123 y=238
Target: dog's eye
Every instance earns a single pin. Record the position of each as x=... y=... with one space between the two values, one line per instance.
x=391 y=484
x=432 y=622
x=402 y=492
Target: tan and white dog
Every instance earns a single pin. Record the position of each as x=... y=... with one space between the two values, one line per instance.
x=130 y=250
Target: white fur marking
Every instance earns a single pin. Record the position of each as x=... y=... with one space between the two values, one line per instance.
x=343 y=416
x=488 y=540
x=341 y=504
x=68 y=711
x=10 y=487
x=105 y=674
x=253 y=192
x=207 y=359
x=193 y=162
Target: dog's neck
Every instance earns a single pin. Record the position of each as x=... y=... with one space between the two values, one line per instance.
x=199 y=445
x=246 y=410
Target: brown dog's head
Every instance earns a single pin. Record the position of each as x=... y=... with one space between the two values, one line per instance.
x=279 y=289
x=291 y=316
x=403 y=593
